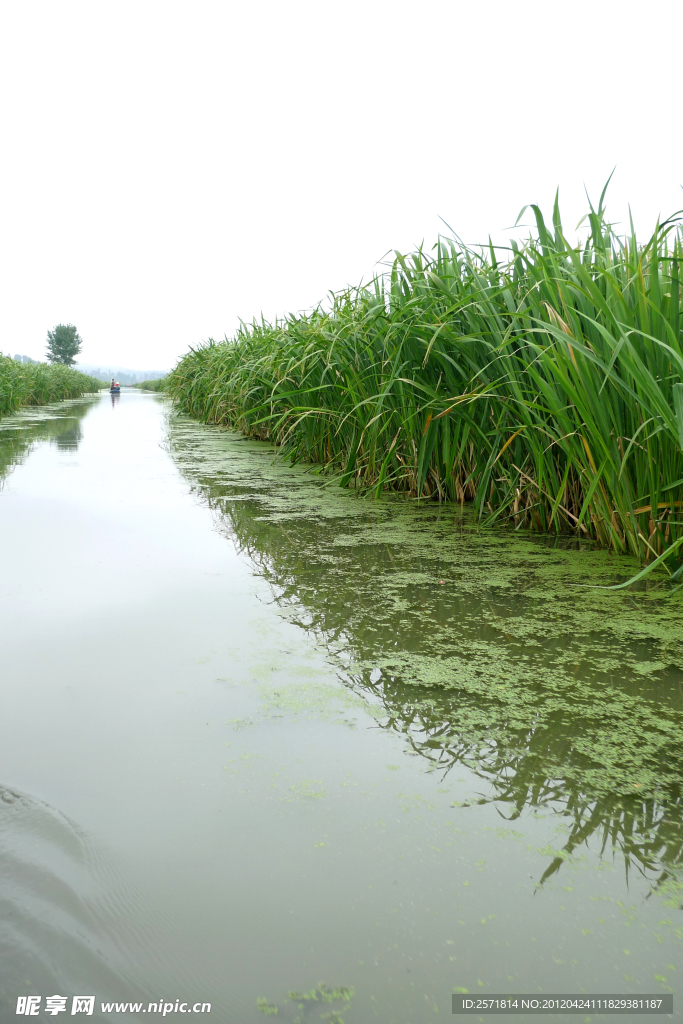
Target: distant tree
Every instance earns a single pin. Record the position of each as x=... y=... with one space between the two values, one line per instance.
x=63 y=344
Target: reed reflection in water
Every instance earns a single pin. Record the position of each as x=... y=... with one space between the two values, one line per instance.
x=56 y=424
x=478 y=647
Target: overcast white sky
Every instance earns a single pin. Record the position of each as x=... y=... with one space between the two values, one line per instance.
x=169 y=167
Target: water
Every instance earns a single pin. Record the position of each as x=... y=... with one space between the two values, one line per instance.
x=261 y=734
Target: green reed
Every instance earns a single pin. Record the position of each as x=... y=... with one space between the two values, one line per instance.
x=157 y=384
x=546 y=387
x=40 y=383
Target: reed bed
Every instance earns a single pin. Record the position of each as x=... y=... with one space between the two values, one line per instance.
x=544 y=386
x=157 y=384
x=39 y=383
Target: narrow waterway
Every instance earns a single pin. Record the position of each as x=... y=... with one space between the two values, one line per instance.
x=260 y=734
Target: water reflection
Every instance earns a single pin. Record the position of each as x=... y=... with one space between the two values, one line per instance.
x=59 y=425
x=69 y=439
x=479 y=648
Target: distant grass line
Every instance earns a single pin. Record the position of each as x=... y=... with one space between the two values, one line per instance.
x=157 y=384
x=546 y=387
x=40 y=383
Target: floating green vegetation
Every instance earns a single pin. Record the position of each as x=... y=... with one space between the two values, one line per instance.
x=480 y=648
x=543 y=383
x=315 y=700
x=320 y=1003
x=309 y=789
x=39 y=384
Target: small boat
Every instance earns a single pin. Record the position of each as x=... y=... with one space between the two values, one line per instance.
x=115 y=389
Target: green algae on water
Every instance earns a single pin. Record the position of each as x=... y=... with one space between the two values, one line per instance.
x=479 y=648
x=324 y=1003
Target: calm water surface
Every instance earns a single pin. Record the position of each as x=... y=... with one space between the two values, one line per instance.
x=260 y=734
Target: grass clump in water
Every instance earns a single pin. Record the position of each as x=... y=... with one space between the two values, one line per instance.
x=39 y=384
x=545 y=387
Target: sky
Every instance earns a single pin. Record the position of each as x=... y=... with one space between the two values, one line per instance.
x=169 y=168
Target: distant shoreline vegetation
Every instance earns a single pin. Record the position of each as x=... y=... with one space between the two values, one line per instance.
x=544 y=386
x=128 y=378
x=31 y=383
x=158 y=384
x=132 y=378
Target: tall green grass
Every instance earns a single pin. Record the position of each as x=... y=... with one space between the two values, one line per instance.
x=39 y=383
x=545 y=387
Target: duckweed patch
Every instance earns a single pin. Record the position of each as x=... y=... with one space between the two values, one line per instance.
x=309 y=789
x=324 y=1002
x=321 y=701
x=479 y=648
